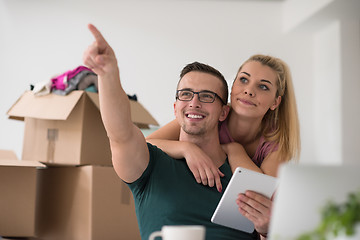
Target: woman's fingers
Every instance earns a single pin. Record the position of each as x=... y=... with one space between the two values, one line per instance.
x=208 y=176
x=204 y=170
x=256 y=208
x=203 y=176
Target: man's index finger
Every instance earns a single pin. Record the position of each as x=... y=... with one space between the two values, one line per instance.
x=97 y=35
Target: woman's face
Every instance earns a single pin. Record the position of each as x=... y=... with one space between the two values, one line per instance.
x=254 y=90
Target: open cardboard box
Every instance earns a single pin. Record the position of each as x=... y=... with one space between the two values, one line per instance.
x=18 y=185
x=68 y=130
x=85 y=202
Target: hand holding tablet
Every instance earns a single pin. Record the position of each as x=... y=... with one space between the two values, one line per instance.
x=227 y=213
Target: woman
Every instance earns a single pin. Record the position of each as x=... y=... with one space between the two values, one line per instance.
x=260 y=132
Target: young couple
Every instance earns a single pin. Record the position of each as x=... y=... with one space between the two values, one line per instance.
x=259 y=131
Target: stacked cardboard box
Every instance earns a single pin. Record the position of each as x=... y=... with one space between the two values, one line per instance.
x=85 y=202
x=79 y=195
x=18 y=195
x=67 y=130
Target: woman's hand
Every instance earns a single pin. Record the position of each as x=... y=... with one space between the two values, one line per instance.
x=199 y=163
x=202 y=167
x=256 y=208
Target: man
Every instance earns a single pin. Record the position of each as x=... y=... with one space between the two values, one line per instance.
x=164 y=189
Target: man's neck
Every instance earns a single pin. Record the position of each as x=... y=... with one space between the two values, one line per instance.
x=209 y=144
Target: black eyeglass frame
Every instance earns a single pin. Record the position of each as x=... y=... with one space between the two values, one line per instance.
x=198 y=93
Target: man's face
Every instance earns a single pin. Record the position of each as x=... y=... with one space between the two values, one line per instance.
x=195 y=117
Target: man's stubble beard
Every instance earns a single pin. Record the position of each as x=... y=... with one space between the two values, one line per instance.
x=194 y=132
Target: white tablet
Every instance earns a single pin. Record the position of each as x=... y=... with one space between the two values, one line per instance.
x=227 y=213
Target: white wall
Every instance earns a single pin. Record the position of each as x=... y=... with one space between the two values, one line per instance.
x=327 y=82
x=350 y=76
x=296 y=12
x=335 y=32
x=153 y=41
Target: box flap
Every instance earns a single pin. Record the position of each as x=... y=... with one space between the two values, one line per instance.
x=8 y=155
x=19 y=163
x=94 y=97
x=139 y=114
x=51 y=106
x=9 y=158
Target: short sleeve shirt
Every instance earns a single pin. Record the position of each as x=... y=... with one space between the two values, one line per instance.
x=168 y=194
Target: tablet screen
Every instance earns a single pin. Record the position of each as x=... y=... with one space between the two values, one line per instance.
x=227 y=213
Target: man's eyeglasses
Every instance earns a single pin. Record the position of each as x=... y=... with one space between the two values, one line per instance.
x=204 y=96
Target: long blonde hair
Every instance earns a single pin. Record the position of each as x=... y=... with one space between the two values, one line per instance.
x=282 y=124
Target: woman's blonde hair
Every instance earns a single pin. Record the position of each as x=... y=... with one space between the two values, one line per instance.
x=282 y=124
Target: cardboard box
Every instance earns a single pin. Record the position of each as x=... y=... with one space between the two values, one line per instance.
x=18 y=196
x=85 y=202
x=68 y=130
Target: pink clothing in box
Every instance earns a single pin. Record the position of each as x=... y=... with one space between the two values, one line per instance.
x=60 y=82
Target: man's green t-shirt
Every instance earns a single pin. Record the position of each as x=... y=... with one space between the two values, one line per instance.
x=168 y=194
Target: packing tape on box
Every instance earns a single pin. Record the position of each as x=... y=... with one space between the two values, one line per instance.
x=52 y=136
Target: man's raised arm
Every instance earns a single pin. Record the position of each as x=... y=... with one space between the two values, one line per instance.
x=130 y=155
